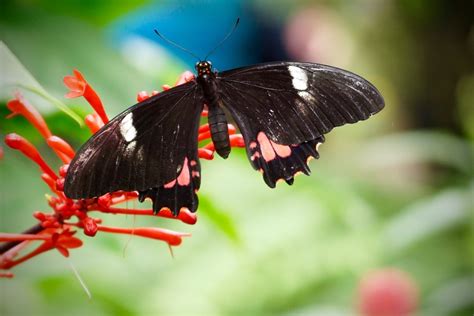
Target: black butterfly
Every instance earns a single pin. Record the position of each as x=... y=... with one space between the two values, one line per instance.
x=282 y=109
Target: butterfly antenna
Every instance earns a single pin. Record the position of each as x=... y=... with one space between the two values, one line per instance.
x=226 y=37
x=176 y=45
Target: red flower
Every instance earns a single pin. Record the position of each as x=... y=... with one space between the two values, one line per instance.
x=79 y=87
x=388 y=292
x=55 y=230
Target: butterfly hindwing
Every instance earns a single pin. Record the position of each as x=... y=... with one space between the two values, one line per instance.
x=281 y=162
x=284 y=109
x=145 y=148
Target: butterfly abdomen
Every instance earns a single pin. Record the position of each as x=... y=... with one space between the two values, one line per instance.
x=216 y=116
x=219 y=133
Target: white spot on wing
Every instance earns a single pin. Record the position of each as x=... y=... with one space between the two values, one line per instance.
x=131 y=147
x=127 y=129
x=306 y=96
x=300 y=79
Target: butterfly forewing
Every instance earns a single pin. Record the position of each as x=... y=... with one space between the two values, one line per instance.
x=297 y=102
x=284 y=109
x=144 y=148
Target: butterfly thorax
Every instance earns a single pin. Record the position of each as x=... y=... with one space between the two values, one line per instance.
x=216 y=116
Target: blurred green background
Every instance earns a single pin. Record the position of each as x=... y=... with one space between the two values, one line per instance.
x=395 y=191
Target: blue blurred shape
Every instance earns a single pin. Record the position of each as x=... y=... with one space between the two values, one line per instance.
x=197 y=26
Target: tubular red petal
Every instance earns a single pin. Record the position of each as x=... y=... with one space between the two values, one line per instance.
x=22 y=107
x=142 y=96
x=203 y=136
x=7 y=275
x=204 y=113
x=231 y=128
x=15 y=141
x=61 y=146
x=50 y=182
x=93 y=98
x=126 y=211
x=186 y=76
x=169 y=236
x=205 y=153
x=93 y=123
x=209 y=146
x=184 y=215
x=237 y=140
x=204 y=128
x=187 y=217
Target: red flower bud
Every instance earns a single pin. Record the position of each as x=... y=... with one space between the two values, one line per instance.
x=63 y=170
x=60 y=184
x=90 y=226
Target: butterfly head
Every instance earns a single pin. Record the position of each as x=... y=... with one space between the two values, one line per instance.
x=203 y=67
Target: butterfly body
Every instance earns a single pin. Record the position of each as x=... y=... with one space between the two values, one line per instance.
x=207 y=81
x=282 y=109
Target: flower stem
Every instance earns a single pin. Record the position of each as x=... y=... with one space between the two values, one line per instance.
x=9 y=245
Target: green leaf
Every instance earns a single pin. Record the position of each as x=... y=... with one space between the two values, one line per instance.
x=15 y=75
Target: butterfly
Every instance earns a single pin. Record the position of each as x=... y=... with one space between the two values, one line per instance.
x=282 y=109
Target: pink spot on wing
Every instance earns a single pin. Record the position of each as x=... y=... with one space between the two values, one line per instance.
x=195 y=174
x=255 y=156
x=193 y=163
x=266 y=147
x=281 y=150
x=184 y=177
x=252 y=145
x=170 y=184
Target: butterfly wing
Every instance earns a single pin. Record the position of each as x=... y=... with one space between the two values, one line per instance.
x=284 y=109
x=150 y=147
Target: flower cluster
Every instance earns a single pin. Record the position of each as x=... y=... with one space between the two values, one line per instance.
x=57 y=229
